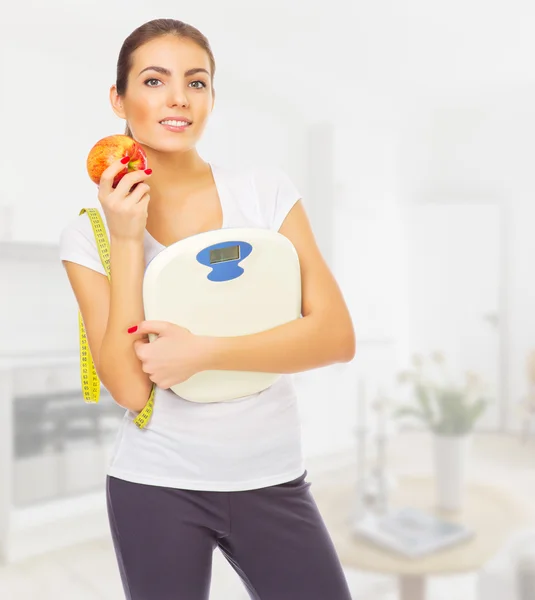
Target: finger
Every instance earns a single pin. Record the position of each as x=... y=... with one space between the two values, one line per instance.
x=135 y=197
x=157 y=327
x=126 y=184
x=139 y=346
x=141 y=338
x=106 y=179
x=145 y=368
x=144 y=203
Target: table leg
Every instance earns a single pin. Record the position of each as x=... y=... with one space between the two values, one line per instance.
x=411 y=587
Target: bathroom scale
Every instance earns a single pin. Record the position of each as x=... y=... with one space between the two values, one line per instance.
x=225 y=282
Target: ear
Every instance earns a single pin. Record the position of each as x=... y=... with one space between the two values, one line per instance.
x=213 y=99
x=116 y=103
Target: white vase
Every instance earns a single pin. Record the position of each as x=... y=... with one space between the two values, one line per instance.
x=450 y=454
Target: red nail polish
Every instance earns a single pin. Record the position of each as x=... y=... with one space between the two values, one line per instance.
x=125 y=160
x=148 y=171
x=132 y=329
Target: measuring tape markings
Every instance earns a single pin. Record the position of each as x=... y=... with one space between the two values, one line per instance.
x=88 y=374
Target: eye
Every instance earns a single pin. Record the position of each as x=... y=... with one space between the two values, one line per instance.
x=151 y=79
x=203 y=85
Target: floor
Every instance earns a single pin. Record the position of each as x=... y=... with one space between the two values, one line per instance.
x=89 y=572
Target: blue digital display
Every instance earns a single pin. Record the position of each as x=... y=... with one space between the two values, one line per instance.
x=224 y=258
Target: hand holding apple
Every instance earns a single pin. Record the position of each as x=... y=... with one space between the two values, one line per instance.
x=126 y=207
x=110 y=149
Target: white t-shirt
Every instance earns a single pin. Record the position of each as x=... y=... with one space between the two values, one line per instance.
x=249 y=443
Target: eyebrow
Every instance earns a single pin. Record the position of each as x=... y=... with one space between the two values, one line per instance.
x=165 y=71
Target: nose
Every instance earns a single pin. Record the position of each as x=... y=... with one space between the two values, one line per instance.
x=178 y=96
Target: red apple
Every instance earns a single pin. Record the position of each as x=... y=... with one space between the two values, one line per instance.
x=110 y=149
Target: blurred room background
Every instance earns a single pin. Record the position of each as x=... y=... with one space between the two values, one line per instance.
x=407 y=127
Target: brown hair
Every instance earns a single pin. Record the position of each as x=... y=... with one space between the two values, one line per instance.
x=148 y=32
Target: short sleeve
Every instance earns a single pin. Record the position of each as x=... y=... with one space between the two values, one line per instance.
x=277 y=195
x=78 y=244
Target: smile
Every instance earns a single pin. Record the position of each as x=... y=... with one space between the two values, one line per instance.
x=175 y=125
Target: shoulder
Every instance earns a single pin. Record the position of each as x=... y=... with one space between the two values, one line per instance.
x=79 y=224
x=266 y=187
x=75 y=228
x=77 y=242
x=276 y=191
x=80 y=227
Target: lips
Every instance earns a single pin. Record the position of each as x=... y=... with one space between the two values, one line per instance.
x=183 y=119
x=175 y=127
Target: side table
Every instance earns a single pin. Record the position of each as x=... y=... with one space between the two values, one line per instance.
x=490 y=511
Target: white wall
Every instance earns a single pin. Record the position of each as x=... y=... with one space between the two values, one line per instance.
x=476 y=146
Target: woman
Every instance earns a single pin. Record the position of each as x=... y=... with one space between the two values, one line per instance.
x=225 y=474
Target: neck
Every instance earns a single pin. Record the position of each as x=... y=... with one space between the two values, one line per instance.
x=173 y=174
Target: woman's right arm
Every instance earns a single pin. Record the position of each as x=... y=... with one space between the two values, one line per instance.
x=106 y=317
x=120 y=366
x=108 y=308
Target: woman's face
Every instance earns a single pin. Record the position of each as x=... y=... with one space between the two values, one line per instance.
x=152 y=96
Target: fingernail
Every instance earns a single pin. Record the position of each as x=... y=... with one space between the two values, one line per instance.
x=125 y=159
x=148 y=171
x=132 y=329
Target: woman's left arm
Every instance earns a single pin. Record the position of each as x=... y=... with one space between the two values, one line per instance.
x=324 y=335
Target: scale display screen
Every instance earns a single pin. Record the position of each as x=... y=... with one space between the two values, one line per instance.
x=223 y=254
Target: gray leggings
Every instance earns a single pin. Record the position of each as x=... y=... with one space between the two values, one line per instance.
x=273 y=537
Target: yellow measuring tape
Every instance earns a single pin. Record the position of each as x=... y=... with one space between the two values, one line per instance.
x=88 y=373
